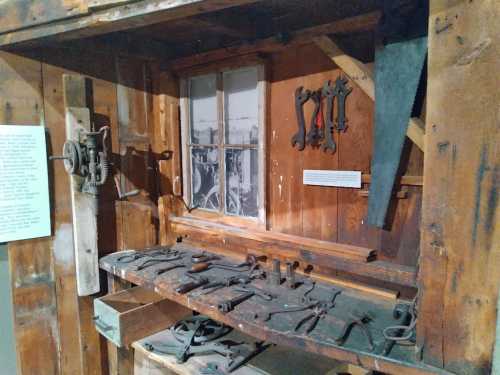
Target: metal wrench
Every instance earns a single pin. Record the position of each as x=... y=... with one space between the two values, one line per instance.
x=299 y=138
x=329 y=92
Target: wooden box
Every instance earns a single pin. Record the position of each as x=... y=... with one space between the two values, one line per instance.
x=134 y=313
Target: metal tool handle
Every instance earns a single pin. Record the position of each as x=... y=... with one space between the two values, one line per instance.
x=227 y=306
x=189 y=286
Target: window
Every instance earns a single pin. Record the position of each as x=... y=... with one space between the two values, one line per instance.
x=223 y=142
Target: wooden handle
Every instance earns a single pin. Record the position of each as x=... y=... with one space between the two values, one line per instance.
x=199 y=267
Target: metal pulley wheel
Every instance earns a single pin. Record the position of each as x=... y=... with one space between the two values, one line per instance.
x=72 y=154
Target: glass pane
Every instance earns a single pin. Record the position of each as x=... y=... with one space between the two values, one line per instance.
x=203 y=108
x=242 y=182
x=241 y=106
x=205 y=178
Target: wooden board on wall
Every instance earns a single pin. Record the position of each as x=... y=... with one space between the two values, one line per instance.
x=460 y=252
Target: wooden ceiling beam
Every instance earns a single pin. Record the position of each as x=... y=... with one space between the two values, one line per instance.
x=364 y=22
x=362 y=75
x=118 y=18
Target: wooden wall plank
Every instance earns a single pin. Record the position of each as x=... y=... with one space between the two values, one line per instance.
x=76 y=344
x=135 y=128
x=460 y=252
x=30 y=261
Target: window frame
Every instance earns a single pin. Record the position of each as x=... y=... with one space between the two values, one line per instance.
x=221 y=215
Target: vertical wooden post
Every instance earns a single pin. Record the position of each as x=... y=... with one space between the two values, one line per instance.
x=460 y=243
x=84 y=206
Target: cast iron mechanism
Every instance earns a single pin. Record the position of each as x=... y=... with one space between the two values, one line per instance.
x=83 y=159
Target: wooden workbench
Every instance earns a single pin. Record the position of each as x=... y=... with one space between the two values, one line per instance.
x=280 y=329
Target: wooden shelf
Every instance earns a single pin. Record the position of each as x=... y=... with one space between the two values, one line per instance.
x=336 y=256
x=281 y=331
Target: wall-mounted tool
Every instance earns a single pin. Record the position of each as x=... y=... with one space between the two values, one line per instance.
x=83 y=158
x=329 y=93
x=341 y=92
x=299 y=138
x=317 y=129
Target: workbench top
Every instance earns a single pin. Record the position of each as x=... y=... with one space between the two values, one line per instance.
x=280 y=329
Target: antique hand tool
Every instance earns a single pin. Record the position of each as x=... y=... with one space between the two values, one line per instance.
x=151 y=262
x=229 y=305
x=275 y=273
x=161 y=271
x=329 y=92
x=290 y=275
x=248 y=266
x=341 y=91
x=203 y=257
x=406 y=313
x=245 y=353
x=291 y=309
x=301 y=97
x=360 y=321
x=316 y=131
x=133 y=255
x=229 y=281
x=319 y=311
x=191 y=285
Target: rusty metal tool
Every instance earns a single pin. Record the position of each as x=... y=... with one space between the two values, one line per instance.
x=275 y=274
x=153 y=261
x=161 y=271
x=133 y=255
x=329 y=92
x=203 y=257
x=319 y=312
x=191 y=285
x=247 y=293
x=299 y=138
x=290 y=275
x=316 y=132
x=248 y=266
x=268 y=315
x=341 y=91
x=360 y=321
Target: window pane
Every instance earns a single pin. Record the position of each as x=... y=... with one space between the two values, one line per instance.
x=241 y=106
x=203 y=105
x=242 y=182
x=205 y=178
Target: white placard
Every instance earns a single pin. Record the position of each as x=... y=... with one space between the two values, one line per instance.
x=351 y=179
x=24 y=191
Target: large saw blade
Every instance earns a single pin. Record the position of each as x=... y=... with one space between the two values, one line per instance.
x=398 y=67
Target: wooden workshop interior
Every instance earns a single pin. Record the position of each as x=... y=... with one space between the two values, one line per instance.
x=256 y=187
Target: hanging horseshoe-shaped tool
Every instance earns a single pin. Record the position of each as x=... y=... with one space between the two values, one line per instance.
x=329 y=92
x=299 y=138
x=341 y=90
x=316 y=131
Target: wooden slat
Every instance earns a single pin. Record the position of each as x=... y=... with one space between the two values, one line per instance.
x=363 y=22
x=362 y=74
x=238 y=244
x=128 y=16
x=84 y=206
x=460 y=252
x=80 y=346
x=286 y=240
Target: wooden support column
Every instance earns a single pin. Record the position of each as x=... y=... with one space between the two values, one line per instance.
x=460 y=243
x=362 y=75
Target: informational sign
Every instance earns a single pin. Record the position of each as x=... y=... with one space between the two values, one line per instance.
x=24 y=191
x=351 y=179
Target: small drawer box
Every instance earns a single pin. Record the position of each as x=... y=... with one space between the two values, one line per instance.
x=134 y=313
